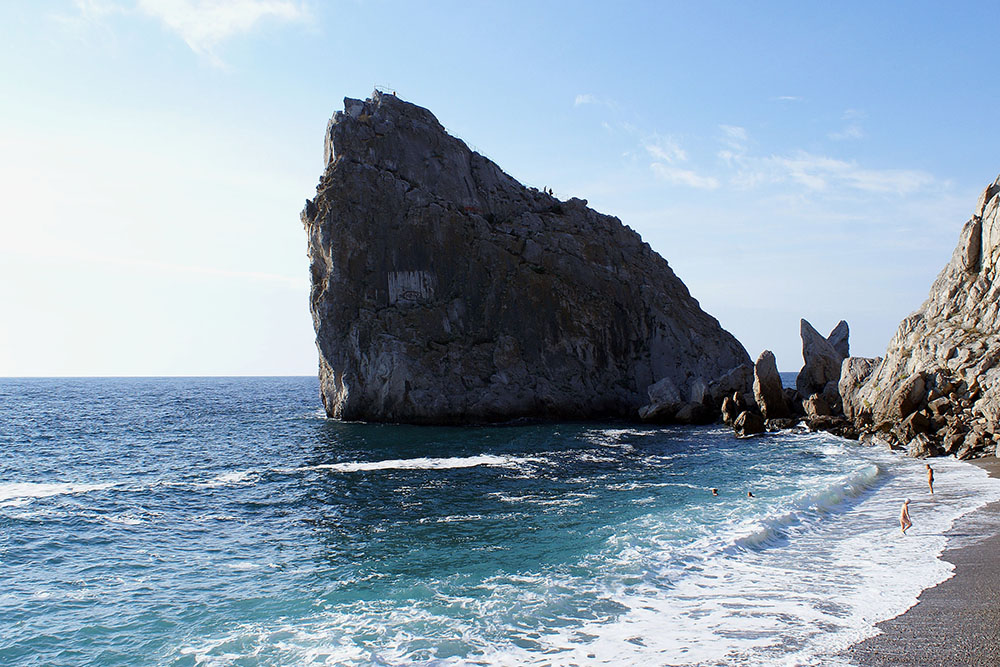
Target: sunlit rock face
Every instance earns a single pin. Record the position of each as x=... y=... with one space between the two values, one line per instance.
x=937 y=391
x=444 y=291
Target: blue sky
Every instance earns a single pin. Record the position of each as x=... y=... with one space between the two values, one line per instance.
x=789 y=159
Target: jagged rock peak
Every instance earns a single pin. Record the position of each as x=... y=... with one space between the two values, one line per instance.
x=938 y=388
x=444 y=291
x=821 y=357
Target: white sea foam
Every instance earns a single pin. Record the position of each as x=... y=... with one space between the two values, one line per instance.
x=798 y=603
x=242 y=565
x=791 y=586
x=425 y=463
x=232 y=478
x=20 y=492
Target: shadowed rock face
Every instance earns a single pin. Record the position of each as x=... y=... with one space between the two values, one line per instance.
x=822 y=357
x=938 y=388
x=444 y=291
x=767 y=389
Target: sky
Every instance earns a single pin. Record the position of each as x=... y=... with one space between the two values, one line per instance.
x=789 y=159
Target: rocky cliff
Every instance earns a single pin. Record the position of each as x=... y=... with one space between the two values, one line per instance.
x=444 y=291
x=938 y=388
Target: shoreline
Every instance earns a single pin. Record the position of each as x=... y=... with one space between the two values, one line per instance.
x=957 y=622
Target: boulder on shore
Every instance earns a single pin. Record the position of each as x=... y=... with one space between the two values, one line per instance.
x=444 y=291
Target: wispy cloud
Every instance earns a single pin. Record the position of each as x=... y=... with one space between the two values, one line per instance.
x=820 y=173
x=664 y=149
x=666 y=152
x=853 y=128
x=204 y=25
x=734 y=133
x=852 y=131
x=787 y=98
x=734 y=140
x=585 y=99
x=685 y=177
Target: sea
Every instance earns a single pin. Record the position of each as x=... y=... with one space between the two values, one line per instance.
x=227 y=521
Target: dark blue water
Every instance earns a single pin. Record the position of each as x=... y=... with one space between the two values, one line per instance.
x=225 y=521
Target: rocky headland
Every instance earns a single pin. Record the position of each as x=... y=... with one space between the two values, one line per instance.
x=937 y=390
x=444 y=291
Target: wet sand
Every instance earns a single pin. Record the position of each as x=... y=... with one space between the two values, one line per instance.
x=956 y=623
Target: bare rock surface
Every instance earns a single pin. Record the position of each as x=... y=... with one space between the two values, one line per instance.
x=822 y=358
x=854 y=372
x=767 y=389
x=444 y=291
x=749 y=423
x=938 y=388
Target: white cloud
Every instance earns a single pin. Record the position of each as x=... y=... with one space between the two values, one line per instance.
x=821 y=173
x=787 y=98
x=666 y=152
x=585 y=98
x=734 y=132
x=205 y=24
x=734 y=138
x=685 y=177
x=852 y=131
x=664 y=149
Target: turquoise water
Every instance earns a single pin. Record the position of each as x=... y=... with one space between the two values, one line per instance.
x=225 y=521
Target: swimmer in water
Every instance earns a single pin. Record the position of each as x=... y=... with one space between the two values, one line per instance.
x=750 y=494
x=930 y=478
x=904 y=516
x=715 y=492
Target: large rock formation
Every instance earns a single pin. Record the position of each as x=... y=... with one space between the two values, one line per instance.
x=444 y=291
x=938 y=388
x=822 y=358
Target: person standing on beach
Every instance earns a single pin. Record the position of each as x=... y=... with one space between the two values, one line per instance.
x=904 y=516
x=930 y=478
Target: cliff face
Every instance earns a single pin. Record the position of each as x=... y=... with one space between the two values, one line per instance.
x=444 y=291
x=938 y=388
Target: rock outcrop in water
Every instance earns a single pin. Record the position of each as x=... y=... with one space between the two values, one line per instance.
x=767 y=389
x=937 y=391
x=444 y=291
